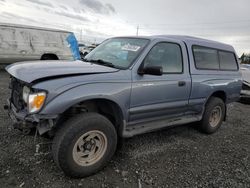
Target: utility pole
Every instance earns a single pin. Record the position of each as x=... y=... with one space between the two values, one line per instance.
x=137 y=30
x=81 y=35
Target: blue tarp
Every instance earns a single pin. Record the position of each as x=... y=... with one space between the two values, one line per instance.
x=71 y=39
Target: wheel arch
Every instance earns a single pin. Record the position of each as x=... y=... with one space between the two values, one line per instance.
x=106 y=107
x=49 y=56
x=219 y=94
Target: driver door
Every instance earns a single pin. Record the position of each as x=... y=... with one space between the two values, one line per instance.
x=164 y=96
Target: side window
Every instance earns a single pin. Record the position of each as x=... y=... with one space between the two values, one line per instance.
x=167 y=55
x=205 y=58
x=227 y=61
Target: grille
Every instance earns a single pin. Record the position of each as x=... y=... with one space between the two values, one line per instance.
x=16 y=94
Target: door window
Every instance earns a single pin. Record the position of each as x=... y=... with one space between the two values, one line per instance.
x=166 y=55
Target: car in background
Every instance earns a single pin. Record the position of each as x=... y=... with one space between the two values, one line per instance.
x=24 y=43
x=245 y=92
x=245 y=66
x=84 y=49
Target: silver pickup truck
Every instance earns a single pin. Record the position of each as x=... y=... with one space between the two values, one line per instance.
x=124 y=87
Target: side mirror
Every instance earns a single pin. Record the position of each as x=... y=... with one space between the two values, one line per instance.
x=151 y=70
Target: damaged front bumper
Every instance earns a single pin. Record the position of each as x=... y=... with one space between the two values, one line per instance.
x=245 y=93
x=22 y=120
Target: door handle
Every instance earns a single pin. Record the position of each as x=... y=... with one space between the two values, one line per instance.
x=181 y=83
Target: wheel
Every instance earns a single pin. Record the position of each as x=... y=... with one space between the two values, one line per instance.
x=84 y=144
x=213 y=115
x=49 y=57
x=85 y=53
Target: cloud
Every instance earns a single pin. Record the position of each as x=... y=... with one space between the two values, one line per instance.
x=73 y=16
x=110 y=7
x=40 y=2
x=77 y=10
x=98 y=6
x=13 y=16
x=63 y=7
x=47 y=10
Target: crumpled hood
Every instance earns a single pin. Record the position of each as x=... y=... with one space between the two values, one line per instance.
x=34 y=70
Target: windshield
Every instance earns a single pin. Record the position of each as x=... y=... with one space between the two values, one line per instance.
x=117 y=52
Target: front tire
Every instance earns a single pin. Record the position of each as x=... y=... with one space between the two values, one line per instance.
x=213 y=116
x=84 y=144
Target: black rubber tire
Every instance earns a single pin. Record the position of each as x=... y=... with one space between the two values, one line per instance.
x=69 y=133
x=49 y=57
x=211 y=104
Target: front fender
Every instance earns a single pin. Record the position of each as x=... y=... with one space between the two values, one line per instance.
x=119 y=93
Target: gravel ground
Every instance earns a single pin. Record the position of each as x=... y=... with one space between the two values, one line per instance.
x=176 y=157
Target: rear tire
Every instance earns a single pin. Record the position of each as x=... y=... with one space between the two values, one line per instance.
x=213 y=115
x=84 y=144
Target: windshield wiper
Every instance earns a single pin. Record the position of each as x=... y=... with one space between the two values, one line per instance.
x=100 y=62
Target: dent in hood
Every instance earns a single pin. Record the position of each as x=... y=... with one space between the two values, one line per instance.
x=40 y=70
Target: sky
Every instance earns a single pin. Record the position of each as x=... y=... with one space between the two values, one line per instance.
x=94 y=20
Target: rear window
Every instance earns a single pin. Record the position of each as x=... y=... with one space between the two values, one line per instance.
x=213 y=59
x=227 y=61
x=205 y=58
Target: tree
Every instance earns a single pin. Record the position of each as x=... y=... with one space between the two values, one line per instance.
x=245 y=58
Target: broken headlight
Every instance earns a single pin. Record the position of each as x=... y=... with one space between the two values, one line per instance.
x=26 y=92
x=36 y=101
